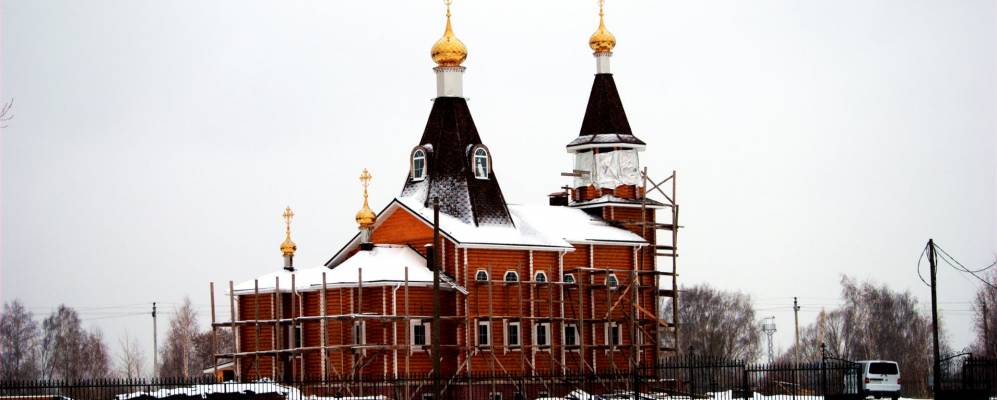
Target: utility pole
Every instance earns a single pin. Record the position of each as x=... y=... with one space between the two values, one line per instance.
x=936 y=378
x=796 y=320
x=155 y=346
x=436 y=299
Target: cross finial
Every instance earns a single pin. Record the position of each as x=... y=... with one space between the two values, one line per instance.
x=601 y=4
x=365 y=178
x=447 y=3
x=288 y=214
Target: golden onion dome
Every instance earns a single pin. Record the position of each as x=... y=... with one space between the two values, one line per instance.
x=602 y=41
x=449 y=51
x=288 y=247
x=365 y=217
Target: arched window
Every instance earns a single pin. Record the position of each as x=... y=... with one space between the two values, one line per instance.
x=541 y=277
x=418 y=164
x=481 y=275
x=480 y=163
x=612 y=282
x=569 y=279
x=511 y=276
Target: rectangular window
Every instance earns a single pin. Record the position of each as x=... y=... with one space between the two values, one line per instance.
x=613 y=334
x=419 y=332
x=495 y=396
x=484 y=333
x=542 y=334
x=358 y=333
x=570 y=335
x=512 y=334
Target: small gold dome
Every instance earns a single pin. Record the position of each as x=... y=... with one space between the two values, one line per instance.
x=288 y=247
x=602 y=41
x=449 y=51
x=365 y=217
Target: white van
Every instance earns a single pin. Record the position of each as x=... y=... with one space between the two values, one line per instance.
x=879 y=378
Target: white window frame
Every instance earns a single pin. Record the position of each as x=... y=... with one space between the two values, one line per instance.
x=564 y=336
x=614 y=286
x=419 y=152
x=495 y=396
x=477 y=334
x=536 y=337
x=519 y=334
x=538 y=275
x=474 y=162
x=478 y=273
x=609 y=337
x=572 y=276
x=361 y=338
x=505 y=277
x=425 y=334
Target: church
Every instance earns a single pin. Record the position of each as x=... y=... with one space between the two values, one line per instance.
x=449 y=277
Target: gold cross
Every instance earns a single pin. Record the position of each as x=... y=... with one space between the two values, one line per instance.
x=601 y=3
x=288 y=214
x=365 y=180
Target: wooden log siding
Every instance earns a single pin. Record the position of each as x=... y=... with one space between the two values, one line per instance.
x=507 y=302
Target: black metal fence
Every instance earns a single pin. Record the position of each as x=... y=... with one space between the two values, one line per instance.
x=684 y=377
x=966 y=377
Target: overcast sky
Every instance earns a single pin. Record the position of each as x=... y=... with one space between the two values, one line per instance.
x=155 y=144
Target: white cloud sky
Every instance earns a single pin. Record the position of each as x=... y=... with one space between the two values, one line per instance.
x=155 y=143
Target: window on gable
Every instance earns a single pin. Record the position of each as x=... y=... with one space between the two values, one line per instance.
x=512 y=334
x=612 y=282
x=480 y=163
x=418 y=164
x=511 y=276
x=481 y=275
x=541 y=277
x=569 y=279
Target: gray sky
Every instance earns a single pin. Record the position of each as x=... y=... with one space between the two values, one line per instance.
x=155 y=143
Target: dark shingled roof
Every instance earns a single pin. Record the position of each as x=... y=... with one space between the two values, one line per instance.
x=450 y=134
x=605 y=119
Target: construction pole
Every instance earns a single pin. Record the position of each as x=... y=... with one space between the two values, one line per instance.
x=155 y=346
x=936 y=378
x=436 y=298
x=796 y=321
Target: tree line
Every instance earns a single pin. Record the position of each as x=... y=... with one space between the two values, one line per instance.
x=872 y=322
x=59 y=347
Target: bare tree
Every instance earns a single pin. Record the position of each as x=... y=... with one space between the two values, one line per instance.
x=985 y=318
x=875 y=322
x=96 y=357
x=131 y=358
x=718 y=323
x=206 y=352
x=69 y=352
x=179 y=355
x=19 y=356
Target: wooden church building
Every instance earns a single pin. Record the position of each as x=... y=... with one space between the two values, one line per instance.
x=576 y=286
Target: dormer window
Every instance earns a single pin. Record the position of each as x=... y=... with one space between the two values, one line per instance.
x=418 y=164
x=479 y=162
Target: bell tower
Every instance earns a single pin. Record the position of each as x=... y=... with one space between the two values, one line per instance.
x=606 y=161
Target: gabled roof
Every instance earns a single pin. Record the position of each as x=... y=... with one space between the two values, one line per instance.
x=605 y=121
x=537 y=227
x=449 y=136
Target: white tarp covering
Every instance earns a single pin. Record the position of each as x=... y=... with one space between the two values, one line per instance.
x=608 y=170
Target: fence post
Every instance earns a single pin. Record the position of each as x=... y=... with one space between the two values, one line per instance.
x=746 y=385
x=692 y=377
x=823 y=369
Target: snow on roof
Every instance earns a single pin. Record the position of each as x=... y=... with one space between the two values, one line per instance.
x=535 y=226
x=609 y=199
x=384 y=264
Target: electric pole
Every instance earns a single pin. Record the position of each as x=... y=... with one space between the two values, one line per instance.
x=155 y=346
x=796 y=320
x=436 y=298
x=936 y=375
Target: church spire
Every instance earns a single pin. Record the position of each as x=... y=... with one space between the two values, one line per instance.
x=451 y=163
x=365 y=217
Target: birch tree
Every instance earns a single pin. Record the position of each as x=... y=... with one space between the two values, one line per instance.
x=19 y=335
